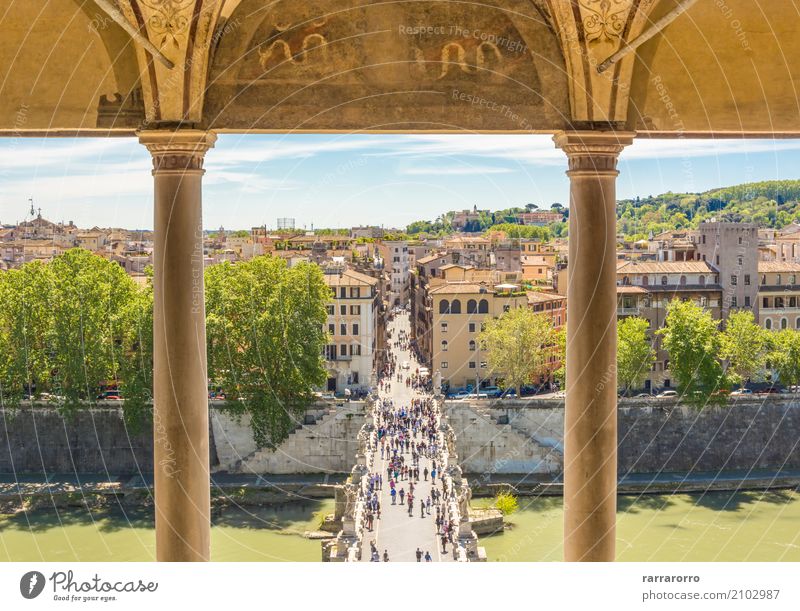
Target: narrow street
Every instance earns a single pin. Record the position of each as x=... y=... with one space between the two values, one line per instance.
x=398 y=533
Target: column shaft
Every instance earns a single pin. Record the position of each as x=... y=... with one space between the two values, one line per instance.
x=590 y=420
x=180 y=382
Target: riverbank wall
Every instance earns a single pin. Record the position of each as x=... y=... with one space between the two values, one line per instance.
x=655 y=436
x=39 y=441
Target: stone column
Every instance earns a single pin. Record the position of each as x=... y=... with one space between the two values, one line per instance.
x=180 y=382
x=590 y=420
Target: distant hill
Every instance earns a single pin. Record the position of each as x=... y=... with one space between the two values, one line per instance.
x=774 y=203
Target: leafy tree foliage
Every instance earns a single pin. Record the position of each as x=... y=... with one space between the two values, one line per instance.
x=692 y=340
x=265 y=334
x=635 y=355
x=518 y=346
x=744 y=345
x=785 y=356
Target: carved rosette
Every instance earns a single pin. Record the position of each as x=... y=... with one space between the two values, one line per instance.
x=178 y=151
x=593 y=152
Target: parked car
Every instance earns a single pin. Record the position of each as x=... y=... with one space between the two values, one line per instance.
x=491 y=391
x=406 y=365
x=110 y=395
x=643 y=395
x=667 y=393
x=741 y=391
x=768 y=391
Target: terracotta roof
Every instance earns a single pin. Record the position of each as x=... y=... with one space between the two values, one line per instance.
x=778 y=266
x=349 y=277
x=455 y=288
x=431 y=258
x=539 y=297
x=628 y=289
x=665 y=267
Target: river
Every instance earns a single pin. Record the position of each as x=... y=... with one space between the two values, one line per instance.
x=718 y=526
x=261 y=534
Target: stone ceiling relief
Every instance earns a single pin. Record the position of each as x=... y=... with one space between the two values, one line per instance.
x=591 y=31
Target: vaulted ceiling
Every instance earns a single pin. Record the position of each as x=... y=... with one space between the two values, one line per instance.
x=722 y=67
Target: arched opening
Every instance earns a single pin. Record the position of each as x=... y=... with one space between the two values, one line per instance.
x=472 y=307
x=483 y=307
x=455 y=307
x=444 y=306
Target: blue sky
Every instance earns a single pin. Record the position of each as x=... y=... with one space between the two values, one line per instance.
x=343 y=180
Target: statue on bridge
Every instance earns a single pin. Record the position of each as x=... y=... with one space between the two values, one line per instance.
x=464 y=496
x=351 y=497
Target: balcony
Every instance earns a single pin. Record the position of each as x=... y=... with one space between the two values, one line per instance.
x=634 y=311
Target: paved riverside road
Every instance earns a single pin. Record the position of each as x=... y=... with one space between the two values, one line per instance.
x=395 y=532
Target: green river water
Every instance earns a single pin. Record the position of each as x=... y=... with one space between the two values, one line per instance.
x=719 y=526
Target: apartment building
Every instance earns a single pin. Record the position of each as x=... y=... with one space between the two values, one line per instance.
x=459 y=310
x=779 y=295
x=397 y=266
x=644 y=289
x=354 y=327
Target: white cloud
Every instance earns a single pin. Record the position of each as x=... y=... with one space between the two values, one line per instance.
x=462 y=170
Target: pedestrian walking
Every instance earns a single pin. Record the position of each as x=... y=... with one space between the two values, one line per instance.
x=419 y=555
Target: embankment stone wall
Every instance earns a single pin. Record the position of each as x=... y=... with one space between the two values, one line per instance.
x=37 y=440
x=654 y=435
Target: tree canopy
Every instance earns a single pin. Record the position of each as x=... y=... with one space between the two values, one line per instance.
x=635 y=355
x=518 y=346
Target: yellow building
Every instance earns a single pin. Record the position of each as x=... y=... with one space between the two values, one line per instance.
x=459 y=310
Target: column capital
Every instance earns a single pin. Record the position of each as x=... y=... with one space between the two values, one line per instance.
x=593 y=152
x=178 y=151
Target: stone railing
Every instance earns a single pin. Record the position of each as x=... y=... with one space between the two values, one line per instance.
x=351 y=499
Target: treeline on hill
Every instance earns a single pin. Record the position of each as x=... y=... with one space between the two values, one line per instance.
x=500 y=220
x=770 y=204
x=79 y=324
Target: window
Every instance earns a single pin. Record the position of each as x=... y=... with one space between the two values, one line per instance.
x=343 y=350
x=355 y=292
x=779 y=302
x=343 y=329
x=444 y=306
x=444 y=365
x=734 y=302
x=704 y=239
x=666 y=364
x=455 y=307
x=626 y=280
x=332 y=329
x=355 y=350
x=331 y=310
x=702 y=280
x=664 y=281
x=747 y=301
x=472 y=344
x=734 y=279
x=747 y=279
x=355 y=310
x=740 y=260
x=444 y=345
x=765 y=302
x=645 y=280
x=355 y=329
x=768 y=323
x=472 y=307
x=792 y=302
x=506 y=308
x=682 y=281
x=343 y=310
x=472 y=327
x=778 y=279
x=483 y=365
x=355 y=373
x=717 y=259
x=784 y=323
x=343 y=293
x=472 y=364
x=792 y=279
x=444 y=327
x=740 y=241
x=797 y=323
x=483 y=307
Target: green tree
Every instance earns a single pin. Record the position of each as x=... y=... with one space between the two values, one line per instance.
x=692 y=340
x=785 y=356
x=25 y=322
x=518 y=345
x=136 y=366
x=635 y=355
x=743 y=345
x=265 y=332
x=89 y=303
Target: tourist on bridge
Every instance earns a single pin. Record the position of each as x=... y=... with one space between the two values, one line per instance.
x=402 y=495
x=394 y=496
x=386 y=555
x=428 y=557
x=419 y=555
x=421 y=508
x=425 y=473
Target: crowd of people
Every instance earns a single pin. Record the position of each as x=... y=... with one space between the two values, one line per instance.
x=407 y=442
